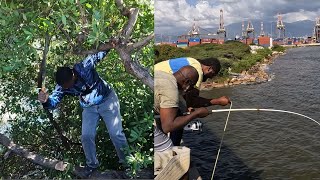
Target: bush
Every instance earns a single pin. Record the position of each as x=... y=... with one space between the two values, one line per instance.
x=232 y=54
x=278 y=48
x=168 y=52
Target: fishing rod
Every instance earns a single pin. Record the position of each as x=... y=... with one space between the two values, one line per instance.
x=197 y=125
x=266 y=110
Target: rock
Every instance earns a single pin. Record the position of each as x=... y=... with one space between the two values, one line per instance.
x=237 y=83
x=253 y=52
x=229 y=55
x=275 y=52
x=243 y=73
x=254 y=49
x=252 y=79
x=218 y=85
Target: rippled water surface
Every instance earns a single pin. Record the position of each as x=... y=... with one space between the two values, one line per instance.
x=266 y=145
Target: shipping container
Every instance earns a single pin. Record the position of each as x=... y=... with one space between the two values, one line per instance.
x=278 y=39
x=215 y=41
x=220 y=41
x=194 y=39
x=205 y=41
x=183 y=40
x=193 y=43
x=182 y=45
x=264 y=40
x=248 y=41
x=277 y=42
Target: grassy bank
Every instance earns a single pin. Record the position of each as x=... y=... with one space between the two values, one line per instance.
x=278 y=48
x=232 y=54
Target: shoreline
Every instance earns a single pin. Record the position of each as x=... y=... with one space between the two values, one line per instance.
x=255 y=75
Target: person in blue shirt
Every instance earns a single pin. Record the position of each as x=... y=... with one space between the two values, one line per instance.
x=97 y=98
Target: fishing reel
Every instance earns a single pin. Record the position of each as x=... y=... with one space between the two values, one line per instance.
x=193 y=126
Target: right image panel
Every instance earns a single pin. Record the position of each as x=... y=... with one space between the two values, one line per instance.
x=236 y=87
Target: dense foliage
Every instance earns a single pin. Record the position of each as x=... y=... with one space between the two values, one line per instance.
x=24 y=25
x=278 y=48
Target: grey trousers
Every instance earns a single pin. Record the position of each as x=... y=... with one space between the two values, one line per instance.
x=109 y=110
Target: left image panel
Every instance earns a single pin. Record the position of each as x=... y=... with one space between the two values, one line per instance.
x=76 y=96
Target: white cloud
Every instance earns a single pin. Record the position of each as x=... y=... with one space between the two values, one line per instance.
x=300 y=16
x=171 y=16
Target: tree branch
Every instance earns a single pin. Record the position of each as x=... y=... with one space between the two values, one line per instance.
x=41 y=76
x=65 y=34
x=127 y=31
x=84 y=22
x=122 y=8
x=52 y=163
x=142 y=43
x=135 y=68
x=42 y=72
x=101 y=47
x=82 y=13
x=31 y=156
x=131 y=14
x=124 y=50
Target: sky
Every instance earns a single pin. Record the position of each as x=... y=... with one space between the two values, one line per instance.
x=173 y=16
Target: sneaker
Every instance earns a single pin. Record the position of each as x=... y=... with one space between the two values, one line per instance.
x=85 y=172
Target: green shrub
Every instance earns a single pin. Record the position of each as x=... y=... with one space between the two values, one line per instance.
x=240 y=60
x=278 y=48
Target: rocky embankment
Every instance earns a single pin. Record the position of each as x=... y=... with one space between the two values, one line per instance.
x=255 y=75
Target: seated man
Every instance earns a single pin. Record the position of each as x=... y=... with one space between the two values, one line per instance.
x=166 y=104
x=206 y=68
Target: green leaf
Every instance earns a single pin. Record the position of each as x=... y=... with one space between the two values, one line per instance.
x=64 y=20
x=96 y=14
x=27 y=32
x=16 y=13
x=24 y=16
x=88 y=5
x=95 y=28
x=7 y=68
x=47 y=22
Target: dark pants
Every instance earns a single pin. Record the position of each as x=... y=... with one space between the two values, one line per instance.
x=176 y=137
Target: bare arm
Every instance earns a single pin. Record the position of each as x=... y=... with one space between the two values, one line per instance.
x=194 y=100
x=170 y=121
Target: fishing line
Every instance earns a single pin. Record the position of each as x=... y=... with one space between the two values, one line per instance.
x=224 y=130
x=252 y=109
